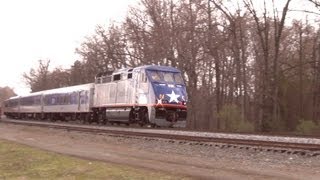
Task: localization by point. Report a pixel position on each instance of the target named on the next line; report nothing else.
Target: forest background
(246, 68)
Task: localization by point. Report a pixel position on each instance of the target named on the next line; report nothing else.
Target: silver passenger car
(69, 102)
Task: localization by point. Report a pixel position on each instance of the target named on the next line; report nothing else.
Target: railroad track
(280, 144)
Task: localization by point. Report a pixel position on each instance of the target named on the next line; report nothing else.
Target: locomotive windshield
(168, 77)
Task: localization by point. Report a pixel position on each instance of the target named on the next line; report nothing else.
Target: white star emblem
(173, 97)
(159, 101)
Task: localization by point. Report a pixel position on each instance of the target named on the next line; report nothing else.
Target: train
(146, 95)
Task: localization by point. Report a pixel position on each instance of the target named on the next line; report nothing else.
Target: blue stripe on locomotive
(163, 88)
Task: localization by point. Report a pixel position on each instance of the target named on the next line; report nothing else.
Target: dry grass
(23, 162)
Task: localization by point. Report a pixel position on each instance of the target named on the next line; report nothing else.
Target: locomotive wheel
(88, 118)
(52, 117)
(73, 117)
(83, 119)
(143, 117)
(153, 125)
(101, 119)
(104, 121)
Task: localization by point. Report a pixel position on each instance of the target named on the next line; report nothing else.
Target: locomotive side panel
(101, 95)
(112, 94)
(121, 92)
(116, 93)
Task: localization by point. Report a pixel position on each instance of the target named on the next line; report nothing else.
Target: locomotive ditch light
(182, 102)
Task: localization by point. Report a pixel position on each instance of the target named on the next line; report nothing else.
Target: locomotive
(146, 95)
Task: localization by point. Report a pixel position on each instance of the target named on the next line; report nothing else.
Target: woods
(246, 67)
(6, 93)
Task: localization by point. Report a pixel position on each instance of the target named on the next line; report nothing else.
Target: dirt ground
(111, 149)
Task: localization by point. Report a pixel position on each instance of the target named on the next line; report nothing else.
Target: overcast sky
(31, 30)
(48, 29)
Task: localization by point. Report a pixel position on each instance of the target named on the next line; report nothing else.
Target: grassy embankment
(23, 162)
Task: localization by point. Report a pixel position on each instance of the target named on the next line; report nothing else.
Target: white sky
(51, 29)
(48, 29)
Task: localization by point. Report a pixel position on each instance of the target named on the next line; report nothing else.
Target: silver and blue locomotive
(146, 95)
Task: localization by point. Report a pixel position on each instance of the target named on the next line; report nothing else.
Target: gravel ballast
(192, 159)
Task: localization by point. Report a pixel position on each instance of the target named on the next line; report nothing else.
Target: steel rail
(174, 137)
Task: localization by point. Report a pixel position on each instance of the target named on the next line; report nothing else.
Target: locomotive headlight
(161, 97)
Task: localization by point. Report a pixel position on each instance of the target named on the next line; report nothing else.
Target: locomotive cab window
(116, 77)
(163, 76)
(155, 75)
(168, 77)
(178, 79)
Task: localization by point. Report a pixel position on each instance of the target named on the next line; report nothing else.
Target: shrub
(231, 120)
(307, 127)
(274, 126)
(245, 126)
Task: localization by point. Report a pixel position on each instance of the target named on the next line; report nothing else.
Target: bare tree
(243, 60)
(37, 79)
(6, 93)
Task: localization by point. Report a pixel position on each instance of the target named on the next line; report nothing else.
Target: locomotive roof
(160, 68)
(148, 67)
